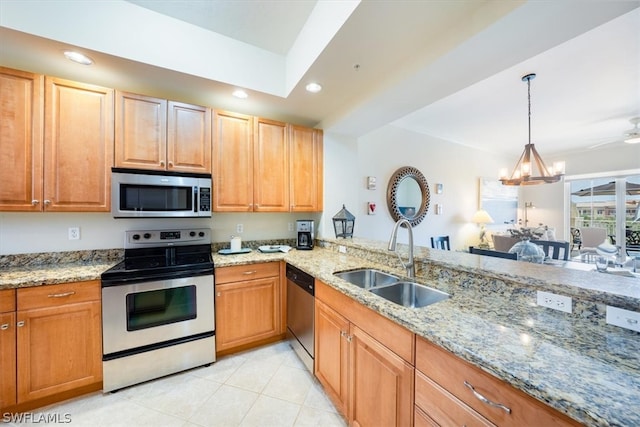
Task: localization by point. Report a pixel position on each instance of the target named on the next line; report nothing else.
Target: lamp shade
(482, 217)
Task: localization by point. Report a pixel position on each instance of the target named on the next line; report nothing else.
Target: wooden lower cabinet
(368, 382)
(8, 348)
(444, 394)
(57, 342)
(248, 306)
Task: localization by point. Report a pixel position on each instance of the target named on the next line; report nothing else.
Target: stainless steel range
(158, 313)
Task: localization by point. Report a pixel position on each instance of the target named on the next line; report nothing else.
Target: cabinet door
(7, 359)
(141, 131)
(306, 169)
(20, 140)
(246, 312)
(78, 147)
(332, 353)
(380, 382)
(232, 162)
(189, 138)
(271, 166)
(60, 349)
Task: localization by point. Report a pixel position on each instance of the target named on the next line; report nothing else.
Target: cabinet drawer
(451, 373)
(241, 273)
(7, 300)
(55, 295)
(444, 408)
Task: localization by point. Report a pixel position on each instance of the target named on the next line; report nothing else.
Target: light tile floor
(267, 386)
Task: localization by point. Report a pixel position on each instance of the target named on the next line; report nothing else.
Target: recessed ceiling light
(240, 94)
(78, 57)
(313, 87)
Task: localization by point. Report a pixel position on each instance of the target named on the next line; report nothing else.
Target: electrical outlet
(556, 302)
(290, 226)
(342, 249)
(74, 233)
(624, 318)
(239, 228)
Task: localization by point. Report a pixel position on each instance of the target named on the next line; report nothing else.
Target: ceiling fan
(631, 136)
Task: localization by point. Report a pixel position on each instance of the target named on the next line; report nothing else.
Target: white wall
(47, 232)
(458, 168)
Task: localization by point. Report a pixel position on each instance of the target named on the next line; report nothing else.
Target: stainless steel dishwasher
(300, 311)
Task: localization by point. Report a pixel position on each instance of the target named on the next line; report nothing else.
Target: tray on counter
(230, 252)
(274, 248)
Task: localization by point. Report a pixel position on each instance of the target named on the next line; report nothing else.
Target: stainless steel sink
(367, 277)
(410, 294)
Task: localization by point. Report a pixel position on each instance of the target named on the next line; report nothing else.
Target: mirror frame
(392, 194)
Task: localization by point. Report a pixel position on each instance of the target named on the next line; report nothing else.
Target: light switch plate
(624, 318)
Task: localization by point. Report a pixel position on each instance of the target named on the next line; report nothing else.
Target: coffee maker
(304, 229)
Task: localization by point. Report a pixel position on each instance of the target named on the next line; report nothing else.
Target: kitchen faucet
(410, 266)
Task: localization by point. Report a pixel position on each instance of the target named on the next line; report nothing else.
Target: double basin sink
(391, 288)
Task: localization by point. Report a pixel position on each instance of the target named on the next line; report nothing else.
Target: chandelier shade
(530, 168)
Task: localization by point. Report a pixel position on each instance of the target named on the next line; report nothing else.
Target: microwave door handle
(196, 199)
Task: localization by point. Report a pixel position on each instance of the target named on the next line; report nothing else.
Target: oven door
(147, 313)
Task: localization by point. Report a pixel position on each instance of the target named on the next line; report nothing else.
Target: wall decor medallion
(408, 195)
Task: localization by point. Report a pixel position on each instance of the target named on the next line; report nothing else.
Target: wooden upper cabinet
(271, 166)
(141, 131)
(21, 120)
(306, 169)
(189, 138)
(153, 133)
(78, 147)
(232, 162)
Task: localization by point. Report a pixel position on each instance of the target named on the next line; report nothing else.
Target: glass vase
(527, 251)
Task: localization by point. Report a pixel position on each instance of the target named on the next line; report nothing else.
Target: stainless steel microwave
(138, 193)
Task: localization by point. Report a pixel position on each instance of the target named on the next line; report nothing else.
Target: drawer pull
(485, 400)
(249, 272)
(62, 295)
(20, 324)
(4, 327)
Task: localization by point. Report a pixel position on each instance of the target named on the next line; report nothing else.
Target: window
(611, 202)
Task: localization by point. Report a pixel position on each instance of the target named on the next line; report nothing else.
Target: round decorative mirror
(408, 195)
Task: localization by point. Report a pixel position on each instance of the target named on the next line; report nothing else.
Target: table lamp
(482, 217)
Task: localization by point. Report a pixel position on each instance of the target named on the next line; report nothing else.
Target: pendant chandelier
(530, 169)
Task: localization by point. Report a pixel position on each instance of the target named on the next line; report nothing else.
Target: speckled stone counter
(576, 363)
(26, 270)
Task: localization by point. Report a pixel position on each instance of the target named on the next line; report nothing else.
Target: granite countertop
(576, 363)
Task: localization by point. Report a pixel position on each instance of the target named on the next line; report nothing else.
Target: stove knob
(192, 233)
(136, 237)
(147, 235)
(201, 234)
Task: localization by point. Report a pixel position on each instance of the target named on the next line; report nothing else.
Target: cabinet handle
(161, 162)
(218, 294)
(35, 202)
(4, 327)
(249, 272)
(47, 202)
(485, 400)
(20, 323)
(62, 295)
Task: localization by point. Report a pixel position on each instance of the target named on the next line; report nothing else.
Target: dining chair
(489, 252)
(591, 238)
(440, 242)
(555, 249)
(503, 243)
